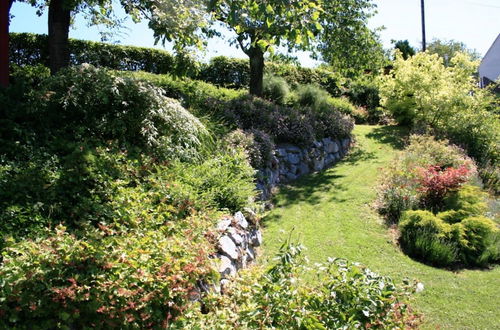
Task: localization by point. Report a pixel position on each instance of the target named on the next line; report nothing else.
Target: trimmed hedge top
(32, 49)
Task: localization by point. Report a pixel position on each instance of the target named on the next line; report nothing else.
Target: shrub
(141, 279)
(223, 181)
(226, 72)
(88, 103)
(468, 201)
(435, 182)
(422, 92)
(346, 295)
(32, 49)
(312, 96)
(479, 241)
(282, 123)
(276, 89)
(257, 144)
(402, 187)
(426, 237)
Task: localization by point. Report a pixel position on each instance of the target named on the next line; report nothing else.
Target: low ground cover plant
(346, 295)
(440, 215)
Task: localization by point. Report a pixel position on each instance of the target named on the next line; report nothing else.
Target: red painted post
(4, 42)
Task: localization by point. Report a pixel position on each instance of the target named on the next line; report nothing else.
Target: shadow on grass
(311, 189)
(395, 136)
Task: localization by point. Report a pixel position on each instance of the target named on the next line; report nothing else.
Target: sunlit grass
(332, 214)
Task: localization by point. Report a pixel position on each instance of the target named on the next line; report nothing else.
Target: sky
(474, 22)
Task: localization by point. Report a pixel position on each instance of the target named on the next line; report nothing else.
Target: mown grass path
(332, 215)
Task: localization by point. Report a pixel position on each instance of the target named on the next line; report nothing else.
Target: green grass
(332, 214)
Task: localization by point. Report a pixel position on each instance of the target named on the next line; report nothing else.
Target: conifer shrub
(426, 237)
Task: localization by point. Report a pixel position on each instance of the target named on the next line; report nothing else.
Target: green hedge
(235, 73)
(32, 49)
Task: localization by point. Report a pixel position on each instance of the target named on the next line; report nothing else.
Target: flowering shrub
(140, 279)
(423, 92)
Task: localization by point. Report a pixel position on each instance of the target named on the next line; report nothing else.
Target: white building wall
(490, 65)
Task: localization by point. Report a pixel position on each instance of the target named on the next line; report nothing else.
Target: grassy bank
(332, 215)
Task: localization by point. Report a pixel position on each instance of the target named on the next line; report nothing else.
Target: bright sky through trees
(474, 22)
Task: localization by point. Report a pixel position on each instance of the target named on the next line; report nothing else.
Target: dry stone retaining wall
(291, 162)
(240, 235)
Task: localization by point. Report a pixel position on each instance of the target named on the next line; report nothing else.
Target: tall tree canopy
(447, 49)
(345, 42)
(261, 25)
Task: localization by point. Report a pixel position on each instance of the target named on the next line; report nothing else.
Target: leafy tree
(260, 25)
(346, 42)
(447, 49)
(4, 41)
(60, 14)
(405, 48)
(185, 22)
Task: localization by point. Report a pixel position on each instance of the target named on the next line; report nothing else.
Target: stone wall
(291, 162)
(238, 241)
(240, 235)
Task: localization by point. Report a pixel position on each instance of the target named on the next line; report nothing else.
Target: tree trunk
(256, 70)
(4, 41)
(59, 20)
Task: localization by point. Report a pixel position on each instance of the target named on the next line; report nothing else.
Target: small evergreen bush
(425, 237)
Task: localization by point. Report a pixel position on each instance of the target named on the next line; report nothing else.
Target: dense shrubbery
(143, 278)
(257, 144)
(346, 295)
(422, 92)
(403, 185)
(441, 220)
(443, 241)
(295, 125)
(97, 230)
(32, 49)
(276, 89)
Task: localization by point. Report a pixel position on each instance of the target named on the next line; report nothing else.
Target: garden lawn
(332, 215)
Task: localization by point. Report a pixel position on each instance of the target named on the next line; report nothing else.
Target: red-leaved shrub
(435, 182)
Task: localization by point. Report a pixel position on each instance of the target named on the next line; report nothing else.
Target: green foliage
(423, 92)
(404, 47)
(297, 125)
(265, 25)
(466, 202)
(479, 241)
(223, 181)
(400, 187)
(235, 73)
(226, 72)
(346, 295)
(87, 103)
(200, 97)
(345, 41)
(276, 89)
(447, 49)
(141, 278)
(425, 236)
(460, 235)
(257, 144)
(364, 92)
(32, 49)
